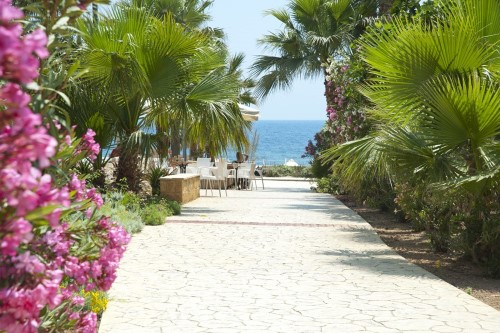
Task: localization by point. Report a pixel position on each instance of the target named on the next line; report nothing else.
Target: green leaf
(40, 212)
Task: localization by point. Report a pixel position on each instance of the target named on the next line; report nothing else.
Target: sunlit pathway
(279, 260)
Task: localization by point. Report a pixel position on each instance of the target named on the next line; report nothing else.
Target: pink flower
(78, 300)
(57, 240)
(88, 323)
(95, 197)
(29, 263)
(95, 270)
(13, 95)
(37, 42)
(35, 258)
(89, 145)
(16, 232)
(8, 12)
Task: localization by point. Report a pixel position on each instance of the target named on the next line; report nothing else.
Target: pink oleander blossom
(19, 56)
(38, 251)
(89, 145)
(87, 324)
(9, 12)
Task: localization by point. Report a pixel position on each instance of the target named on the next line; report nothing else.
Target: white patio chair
(203, 162)
(221, 174)
(192, 169)
(206, 175)
(248, 173)
(231, 174)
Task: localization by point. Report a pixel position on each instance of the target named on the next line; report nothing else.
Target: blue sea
(282, 140)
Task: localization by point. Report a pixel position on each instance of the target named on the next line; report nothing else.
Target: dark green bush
(319, 170)
(174, 206)
(132, 211)
(328, 184)
(300, 171)
(426, 213)
(155, 214)
(127, 216)
(455, 220)
(132, 201)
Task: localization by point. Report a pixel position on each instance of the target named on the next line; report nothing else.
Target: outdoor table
(234, 166)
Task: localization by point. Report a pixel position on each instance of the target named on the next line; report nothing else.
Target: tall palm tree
(193, 15)
(313, 31)
(437, 101)
(154, 70)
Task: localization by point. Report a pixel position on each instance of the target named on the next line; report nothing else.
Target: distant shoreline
(282, 140)
(291, 119)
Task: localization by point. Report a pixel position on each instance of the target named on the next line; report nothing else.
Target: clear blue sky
(244, 22)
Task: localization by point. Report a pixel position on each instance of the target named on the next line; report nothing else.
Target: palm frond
(475, 184)
(462, 110)
(313, 31)
(281, 71)
(340, 8)
(409, 154)
(281, 15)
(359, 159)
(236, 62)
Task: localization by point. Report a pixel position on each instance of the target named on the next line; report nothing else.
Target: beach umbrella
(291, 162)
(249, 113)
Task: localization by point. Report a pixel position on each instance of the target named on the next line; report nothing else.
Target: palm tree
(202, 140)
(313, 32)
(437, 108)
(192, 14)
(154, 70)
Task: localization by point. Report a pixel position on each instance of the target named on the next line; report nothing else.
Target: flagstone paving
(282, 259)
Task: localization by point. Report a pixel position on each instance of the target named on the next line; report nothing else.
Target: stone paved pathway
(279, 260)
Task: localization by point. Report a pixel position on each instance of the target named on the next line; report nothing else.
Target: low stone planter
(181, 188)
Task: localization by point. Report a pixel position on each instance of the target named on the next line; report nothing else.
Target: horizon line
(291, 119)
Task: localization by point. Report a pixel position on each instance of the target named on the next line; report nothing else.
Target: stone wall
(182, 188)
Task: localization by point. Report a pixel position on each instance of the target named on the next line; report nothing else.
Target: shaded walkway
(279, 260)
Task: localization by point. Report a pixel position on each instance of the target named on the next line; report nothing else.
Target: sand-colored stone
(182, 188)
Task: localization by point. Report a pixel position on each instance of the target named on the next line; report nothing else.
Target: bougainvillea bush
(53, 245)
(345, 111)
(346, 119)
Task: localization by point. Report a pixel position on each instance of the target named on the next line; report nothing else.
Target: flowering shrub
(96, 301)
(51, 244)
(346, 118)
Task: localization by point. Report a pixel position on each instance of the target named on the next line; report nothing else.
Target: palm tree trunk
(129, 169)
(175, 139)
